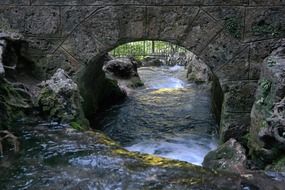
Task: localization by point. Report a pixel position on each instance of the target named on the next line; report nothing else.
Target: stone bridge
(231, 36)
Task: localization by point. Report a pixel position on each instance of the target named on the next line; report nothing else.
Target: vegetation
(142, 49)
(233, 26)
(264, 28)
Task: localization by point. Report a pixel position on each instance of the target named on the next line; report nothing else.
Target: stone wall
(230, 36)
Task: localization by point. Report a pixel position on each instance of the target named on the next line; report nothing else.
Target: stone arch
(192, 27)
(187, 26)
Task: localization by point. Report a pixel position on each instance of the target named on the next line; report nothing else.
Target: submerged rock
(64, 158)
(230, 156)
(59, 99)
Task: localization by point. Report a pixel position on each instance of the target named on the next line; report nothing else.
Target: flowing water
(169, 117)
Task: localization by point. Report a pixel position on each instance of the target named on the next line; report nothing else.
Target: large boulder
(230, 156)
(267, 131)
(123, 70)
(198, 71)
(98, 90)
(59, 100)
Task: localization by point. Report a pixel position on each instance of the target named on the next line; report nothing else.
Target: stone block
(200, 33)
(72, 16)
(87, 2)
(266, 2)
(169, 23)
(42, 21)
(14, 2)
(221, 50)
(234, 125)
(239, 96)
(12, 19)
(258, 52)
(232, 18)
(264, 23)
(237, 69)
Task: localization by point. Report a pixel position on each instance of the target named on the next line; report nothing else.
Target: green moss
(263, 28)
(233, 26)
(12, 105)
(279, 165)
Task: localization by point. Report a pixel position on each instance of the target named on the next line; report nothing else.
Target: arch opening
(169, 100)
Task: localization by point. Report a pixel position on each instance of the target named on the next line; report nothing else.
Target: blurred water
(170, 117)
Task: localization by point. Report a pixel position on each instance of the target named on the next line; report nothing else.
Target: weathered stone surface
(267, 116)
(97, 90)
(258, 52)
(198, 71)
(221, 51)
(60, 59)
(123, 70)
(234, 125)
(237, 69)
(12, 19)
(86, 2)
(239, 96)
(41, 45)
(263, 23)
(60, 100)
(169, 23)
(267, 2)
(200, 32)
(42, 21)
(15, 2)
(230, 156)
(72, 16)
(121, 67)
(232, 18)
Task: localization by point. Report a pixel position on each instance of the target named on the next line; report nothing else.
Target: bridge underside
(232, 37)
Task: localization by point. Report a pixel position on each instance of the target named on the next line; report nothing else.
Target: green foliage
(76, 126)
(265, 89)
(233, 26)
(142, 49)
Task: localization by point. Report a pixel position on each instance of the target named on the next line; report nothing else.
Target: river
(168, 117)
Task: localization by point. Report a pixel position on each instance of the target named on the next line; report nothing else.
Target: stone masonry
(231, 36)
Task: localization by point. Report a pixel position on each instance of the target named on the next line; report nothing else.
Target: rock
(97, 90)
(124, 71)
(152, 62)
(179, 58)
(59, 99)
(124, 68)
(230, 156)
(198, 71)
(267, 130)
(15, 103)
